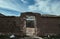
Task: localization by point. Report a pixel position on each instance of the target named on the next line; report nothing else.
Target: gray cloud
(46, 6)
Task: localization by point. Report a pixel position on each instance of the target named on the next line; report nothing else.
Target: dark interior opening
(30, 23)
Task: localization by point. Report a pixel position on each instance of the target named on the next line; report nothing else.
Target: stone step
(33, 38)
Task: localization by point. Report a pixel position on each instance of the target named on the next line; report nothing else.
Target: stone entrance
(30, 26)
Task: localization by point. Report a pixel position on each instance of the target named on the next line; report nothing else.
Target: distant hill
(1, 14)
(48, 15)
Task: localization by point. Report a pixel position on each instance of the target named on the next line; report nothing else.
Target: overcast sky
(15, 7)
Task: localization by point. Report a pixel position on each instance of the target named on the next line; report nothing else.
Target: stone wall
(49, 25)
(10, 24)
(45, 25)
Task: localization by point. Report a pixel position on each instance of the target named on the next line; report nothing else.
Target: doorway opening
(30, 25)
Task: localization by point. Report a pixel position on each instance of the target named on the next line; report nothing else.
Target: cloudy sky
(15, 7)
